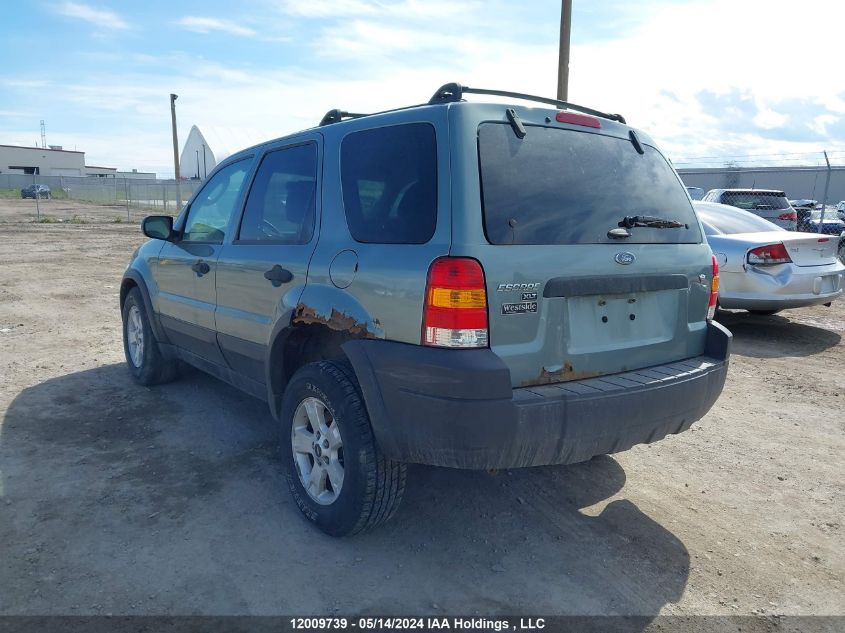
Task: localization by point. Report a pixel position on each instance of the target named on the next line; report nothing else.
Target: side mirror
(158, 227)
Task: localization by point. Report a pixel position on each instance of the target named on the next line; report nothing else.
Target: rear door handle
(278, 275)
(201, 268)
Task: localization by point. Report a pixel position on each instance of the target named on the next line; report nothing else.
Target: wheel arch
(316, 329)
(133, 279)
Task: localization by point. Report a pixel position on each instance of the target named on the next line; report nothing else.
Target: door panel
(187, 296)
(249, 304)
(186, 269)
(261, 274)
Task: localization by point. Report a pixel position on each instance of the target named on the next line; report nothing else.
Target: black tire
(154, 368)
(764, 312)
(373, 485)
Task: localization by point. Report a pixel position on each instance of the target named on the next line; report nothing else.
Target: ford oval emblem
(624, 258)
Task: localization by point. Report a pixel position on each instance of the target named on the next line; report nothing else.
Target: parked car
(812, 222)
(765, 269)
(840, 210)
(769, 204)
(842, 247)
(36, 190)
(393, 307)
(695, 193)
(803, 209)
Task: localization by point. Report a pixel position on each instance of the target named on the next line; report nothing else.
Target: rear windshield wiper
(649, 221)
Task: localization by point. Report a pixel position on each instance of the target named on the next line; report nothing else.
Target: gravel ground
(120, 499)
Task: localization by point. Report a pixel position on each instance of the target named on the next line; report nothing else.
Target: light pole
(563, 53)
(173, 98)
(204, 165)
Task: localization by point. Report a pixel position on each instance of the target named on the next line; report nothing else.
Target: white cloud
(768, 119)
(200, 24)
(98, 17)
(820, 123)
(654, 71)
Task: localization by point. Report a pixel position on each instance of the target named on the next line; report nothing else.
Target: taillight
(790, 216)
(714, 290)
(455, 312)
(769, 254)
(573, 118)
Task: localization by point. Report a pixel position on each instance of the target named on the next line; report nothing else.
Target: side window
(281, 203)
(389, 181)
(209, 214)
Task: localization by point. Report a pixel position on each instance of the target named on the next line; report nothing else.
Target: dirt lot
(119, 499)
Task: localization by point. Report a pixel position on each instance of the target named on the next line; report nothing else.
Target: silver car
(765, 269)
(769, 204)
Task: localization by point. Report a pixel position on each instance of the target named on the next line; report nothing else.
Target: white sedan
(765, 269)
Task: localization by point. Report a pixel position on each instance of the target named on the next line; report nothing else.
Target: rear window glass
(727, 221)
(560, 186)
(389, 181)
(755, 200)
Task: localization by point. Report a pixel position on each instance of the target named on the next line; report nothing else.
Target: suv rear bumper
(457, 408)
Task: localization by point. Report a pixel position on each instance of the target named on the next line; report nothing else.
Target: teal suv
(463, 284)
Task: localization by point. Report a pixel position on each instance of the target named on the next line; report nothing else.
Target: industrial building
(796, 182)
(56, 161)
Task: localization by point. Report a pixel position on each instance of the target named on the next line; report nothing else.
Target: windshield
(557, 186)
(752, 200)
(722, 220)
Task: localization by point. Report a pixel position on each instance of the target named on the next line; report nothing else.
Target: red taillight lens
(769, 254)
(455, 312)
(791, 216)
(574, 118)
(714, 290)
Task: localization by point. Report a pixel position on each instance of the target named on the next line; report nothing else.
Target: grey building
(796, 182)
(53, 161)
(56, 161)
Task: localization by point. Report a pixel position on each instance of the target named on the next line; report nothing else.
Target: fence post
(126, 196)
(826, 186)
(37, 198)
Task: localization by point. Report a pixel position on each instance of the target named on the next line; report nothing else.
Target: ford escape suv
(462, 284)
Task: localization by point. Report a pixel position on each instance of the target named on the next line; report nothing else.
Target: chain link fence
(123, 194)
(813, 183)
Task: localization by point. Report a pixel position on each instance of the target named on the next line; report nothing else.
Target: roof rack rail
(336, 116)
(449, 93)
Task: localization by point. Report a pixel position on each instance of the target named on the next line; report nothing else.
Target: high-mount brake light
(455, 311)
(573, 118)
(769, 255)
(714, 290)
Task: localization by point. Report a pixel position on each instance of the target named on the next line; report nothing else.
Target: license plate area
(602, 322)
(827, 284)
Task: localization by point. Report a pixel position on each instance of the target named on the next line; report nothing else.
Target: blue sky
(709, 80)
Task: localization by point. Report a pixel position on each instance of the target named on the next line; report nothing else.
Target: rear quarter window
(389, 182)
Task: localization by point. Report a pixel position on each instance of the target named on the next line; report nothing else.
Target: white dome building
(197, 159)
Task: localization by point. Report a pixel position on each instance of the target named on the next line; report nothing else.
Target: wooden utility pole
(563, 55)
(173, 98)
